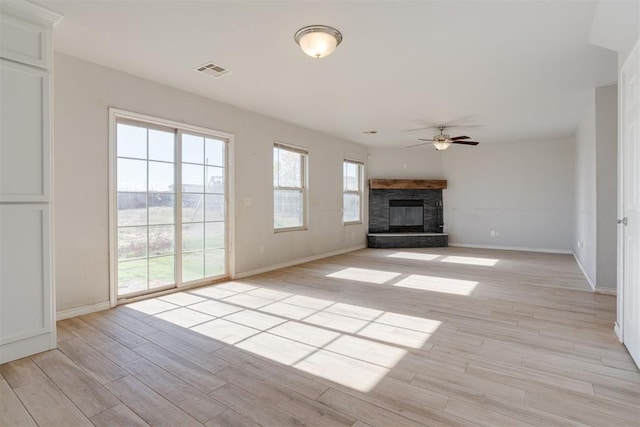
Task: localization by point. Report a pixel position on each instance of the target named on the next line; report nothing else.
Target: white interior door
(630, 80)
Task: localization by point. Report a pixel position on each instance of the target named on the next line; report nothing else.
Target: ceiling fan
(442, 141)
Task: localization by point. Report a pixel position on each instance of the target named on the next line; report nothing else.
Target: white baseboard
(618, 332)
(244, 274)
(80, 311)
(584, 272)
(511, 248)
(606, 291)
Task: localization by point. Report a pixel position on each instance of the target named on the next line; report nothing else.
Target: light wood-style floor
(442, 336)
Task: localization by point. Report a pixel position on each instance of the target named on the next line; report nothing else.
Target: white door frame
(619, 326)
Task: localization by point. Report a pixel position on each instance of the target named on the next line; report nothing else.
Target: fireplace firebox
(406, 216)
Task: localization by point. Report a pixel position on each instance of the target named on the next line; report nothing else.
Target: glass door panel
(145, 208)
(203, 207)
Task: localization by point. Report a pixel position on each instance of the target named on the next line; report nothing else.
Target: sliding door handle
(623, 221)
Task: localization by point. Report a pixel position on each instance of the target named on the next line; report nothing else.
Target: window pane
(214, 235)
(131, 141)
(161, 271)
(276, 166)
(351, 207)
(161, 145)
(214, 207)
(193, 178)
(161, 240)
(192, 149)
(214, 262)
(193, 237)
(161, 177)
(192, 266)
(215, 180)
(132, 175)
(214, 152)
(132, 242)
(132, 209)
(287, 208)
(289, 169)
(351, 178)
(192, 207)
(161, 208)
(132, 276)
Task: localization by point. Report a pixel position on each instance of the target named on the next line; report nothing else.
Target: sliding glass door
(170, 223)
(203, 207)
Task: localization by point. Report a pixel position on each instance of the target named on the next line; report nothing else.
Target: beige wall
(584, 244)
(410, 163)
(522, 191)
(606, 185)
(83, 94)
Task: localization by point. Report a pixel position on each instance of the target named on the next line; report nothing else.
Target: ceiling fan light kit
(318, 41)
(442, 141)
(442, 145)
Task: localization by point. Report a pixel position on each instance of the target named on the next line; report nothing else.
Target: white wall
(523, 191)
(606, 184)
(584, 242)
(83, 93)
(616, 26)
(407, 163)
(596, 187)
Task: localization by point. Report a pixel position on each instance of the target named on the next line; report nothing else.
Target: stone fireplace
(406, 213)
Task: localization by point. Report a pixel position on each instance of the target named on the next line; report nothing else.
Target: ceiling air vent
(213, 70)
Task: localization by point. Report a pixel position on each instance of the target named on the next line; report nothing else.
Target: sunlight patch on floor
(437, 284)
(366, 275)
(489, 262)
(414, 256)
(349, 372)
(184, 317)
(349, 344)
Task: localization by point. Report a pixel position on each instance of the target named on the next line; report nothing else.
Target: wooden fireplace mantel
(407, 184)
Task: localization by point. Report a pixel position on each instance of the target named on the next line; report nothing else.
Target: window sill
(283, 230)
(352, 223)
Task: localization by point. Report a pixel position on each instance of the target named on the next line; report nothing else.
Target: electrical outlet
(497, 233)
(493, 233)
(247, 201)
(261, 249)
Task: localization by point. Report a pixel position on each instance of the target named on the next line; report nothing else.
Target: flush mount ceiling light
(318, 41)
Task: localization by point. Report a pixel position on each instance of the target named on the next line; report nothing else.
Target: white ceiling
(519, 69)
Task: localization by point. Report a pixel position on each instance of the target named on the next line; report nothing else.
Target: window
(352, 191)
(289, 187)
(170, 206)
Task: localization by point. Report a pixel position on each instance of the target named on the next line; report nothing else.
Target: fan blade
(417, 145)
(466, 142)
(423, 139)
(456, 138)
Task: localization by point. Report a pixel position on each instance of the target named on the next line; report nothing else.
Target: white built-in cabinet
(27, 306)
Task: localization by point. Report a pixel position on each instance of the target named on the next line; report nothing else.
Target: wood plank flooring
(407, 337)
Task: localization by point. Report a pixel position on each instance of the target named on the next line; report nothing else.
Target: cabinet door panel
(24, 133)
(23, 42)
(25, 288)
